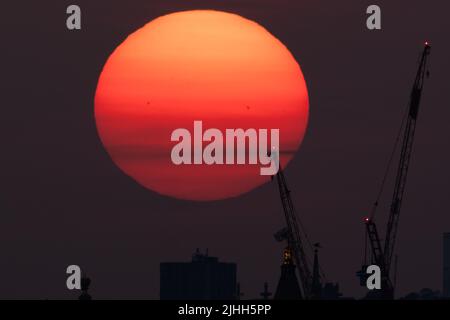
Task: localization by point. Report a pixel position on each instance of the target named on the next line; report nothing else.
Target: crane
(382, 256)
(292, 234)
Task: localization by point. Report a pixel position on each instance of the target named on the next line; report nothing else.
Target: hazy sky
(63, 201)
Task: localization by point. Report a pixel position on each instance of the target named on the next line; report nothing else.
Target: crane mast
(383, 256)
(292, 234)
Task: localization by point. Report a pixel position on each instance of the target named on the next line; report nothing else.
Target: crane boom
(383, 257)
(293, 236)
(405, 157)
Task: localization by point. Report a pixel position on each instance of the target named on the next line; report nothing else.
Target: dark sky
(63, 201)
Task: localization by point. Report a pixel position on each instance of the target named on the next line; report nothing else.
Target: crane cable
(388, 168)
(391, 158)
(383, 182)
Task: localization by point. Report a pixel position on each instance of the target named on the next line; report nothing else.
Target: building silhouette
(288, 287)
(204, 278)
(446, 261)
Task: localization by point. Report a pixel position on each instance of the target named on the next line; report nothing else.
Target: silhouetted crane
(383, 256)
(292, 234)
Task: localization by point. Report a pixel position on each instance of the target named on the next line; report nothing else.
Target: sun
(201, 65)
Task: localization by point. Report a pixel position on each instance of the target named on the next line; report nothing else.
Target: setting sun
(212, 66)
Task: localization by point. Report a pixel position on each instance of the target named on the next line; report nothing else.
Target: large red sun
(212, 66)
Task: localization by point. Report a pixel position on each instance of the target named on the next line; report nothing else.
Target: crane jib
(415, 101)
(383, 257)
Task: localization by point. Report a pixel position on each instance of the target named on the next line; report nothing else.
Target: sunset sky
(63, 200)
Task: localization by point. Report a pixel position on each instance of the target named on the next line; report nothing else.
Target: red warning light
(366, 219)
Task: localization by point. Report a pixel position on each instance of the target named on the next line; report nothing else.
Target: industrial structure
(295, 250)
(382, 256)
(308, 285)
